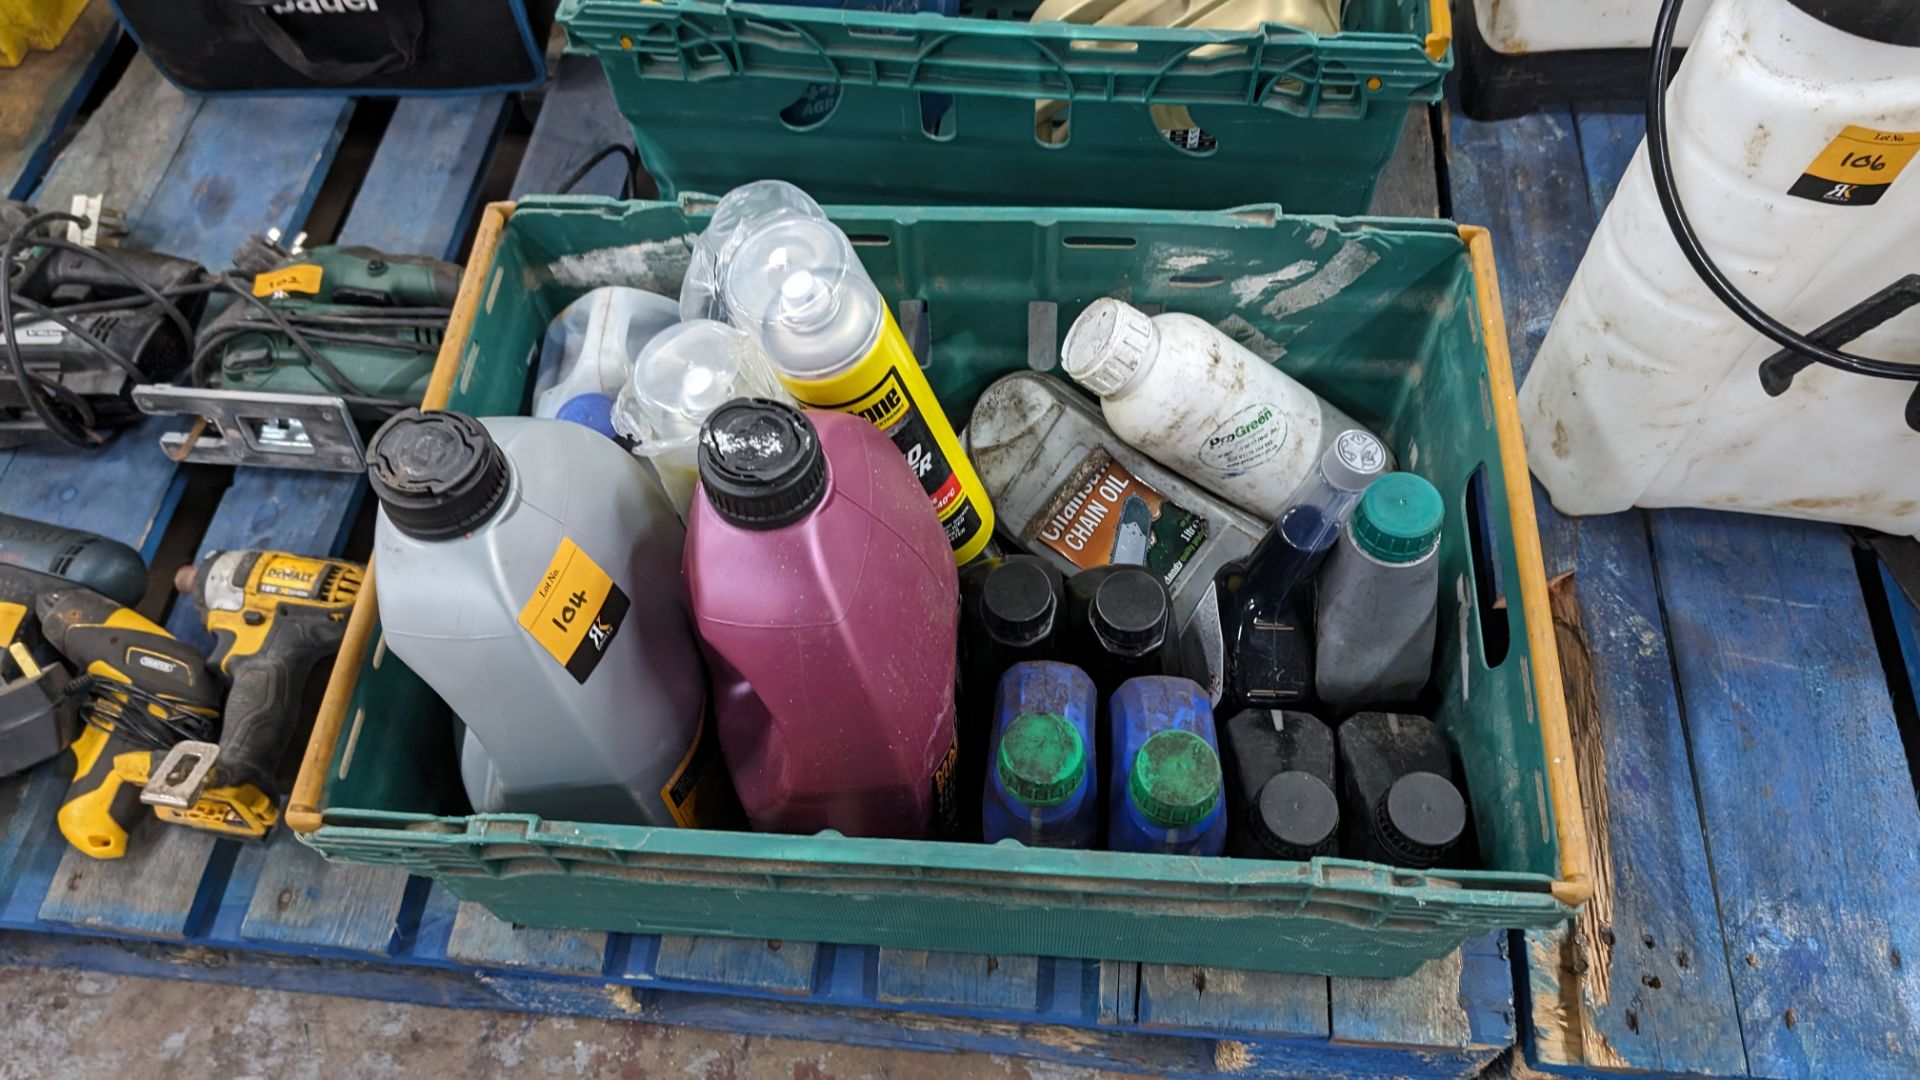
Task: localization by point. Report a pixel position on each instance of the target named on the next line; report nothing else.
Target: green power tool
(324, 345)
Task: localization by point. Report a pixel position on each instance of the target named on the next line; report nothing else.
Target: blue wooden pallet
(1747, 789)
(198, 177)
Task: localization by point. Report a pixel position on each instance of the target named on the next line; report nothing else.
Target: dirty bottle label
(1857, 167)
(888, 391)
(575, 611)
(697, 794)
(1249, 439)
(1104, 515)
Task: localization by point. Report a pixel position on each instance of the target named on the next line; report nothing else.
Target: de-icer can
(793, 281)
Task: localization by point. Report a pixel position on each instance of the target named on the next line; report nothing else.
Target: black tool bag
(343, 46)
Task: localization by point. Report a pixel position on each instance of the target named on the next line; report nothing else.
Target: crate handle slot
(1490, 595)
(1105, 243)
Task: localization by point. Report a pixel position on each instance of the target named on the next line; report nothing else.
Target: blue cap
(589, 411)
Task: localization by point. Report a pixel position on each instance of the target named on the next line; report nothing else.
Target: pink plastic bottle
(821, 579)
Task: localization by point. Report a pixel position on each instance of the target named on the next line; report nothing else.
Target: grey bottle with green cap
(1039, 786)
(1166, 791)
(1379, 598)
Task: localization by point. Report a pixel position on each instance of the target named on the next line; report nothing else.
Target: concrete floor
(71, 1024)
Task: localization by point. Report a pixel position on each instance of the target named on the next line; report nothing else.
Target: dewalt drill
(147, 690)
(273, 616)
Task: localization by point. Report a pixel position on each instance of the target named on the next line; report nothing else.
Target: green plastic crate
(1396, 321)
(927, 109)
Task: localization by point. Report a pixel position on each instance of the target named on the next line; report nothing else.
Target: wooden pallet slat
(782, 967)
(419, 192)
(1462, 1000)
(1808, 805)
(480, 938)
(1188, 997)
(1538, 183)
(43, 93)
(1001, 983)
(577, 118)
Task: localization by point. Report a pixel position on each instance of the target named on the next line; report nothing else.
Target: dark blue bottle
(1040, 786)
(1266, 601)
(1164, 778)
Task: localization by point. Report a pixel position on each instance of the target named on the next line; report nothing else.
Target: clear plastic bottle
(1200, 403)
(684, 373)
(795, 284)
(734, 218)
(589, 349)
(1264, 611)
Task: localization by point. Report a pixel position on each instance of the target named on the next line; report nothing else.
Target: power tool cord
(125, 710)
(38, 391)
(68, 416)
(1660, 157)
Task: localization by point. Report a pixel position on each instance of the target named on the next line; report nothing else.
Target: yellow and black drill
(273, 616)
(145, 691)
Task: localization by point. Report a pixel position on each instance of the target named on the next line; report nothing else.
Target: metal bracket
(182, 775)
(244, 427)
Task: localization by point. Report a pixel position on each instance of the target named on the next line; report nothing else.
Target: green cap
(1042, 758)
(1398, 519)
(1176, 778)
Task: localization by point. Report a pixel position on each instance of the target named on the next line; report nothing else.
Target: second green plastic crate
(871, 107)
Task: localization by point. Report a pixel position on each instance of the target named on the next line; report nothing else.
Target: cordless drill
(147, 688)
(273, 616)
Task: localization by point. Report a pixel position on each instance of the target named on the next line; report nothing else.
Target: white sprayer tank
(1646, 391)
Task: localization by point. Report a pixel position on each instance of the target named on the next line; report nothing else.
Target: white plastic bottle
(1794, 146)
(529, 572)
(589, 348)
(1200, 403)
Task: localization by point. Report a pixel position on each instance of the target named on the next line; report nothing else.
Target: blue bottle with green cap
(1040, 778)
(1379, 598)
(1165, 785)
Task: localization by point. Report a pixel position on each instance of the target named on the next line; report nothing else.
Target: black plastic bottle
(1119, 626)
(1401, 805)
(1011, 609)
(1266, 599)
(1280, 785)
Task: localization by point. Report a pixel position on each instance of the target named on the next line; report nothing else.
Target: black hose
(630, 185)
(1660, 157)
